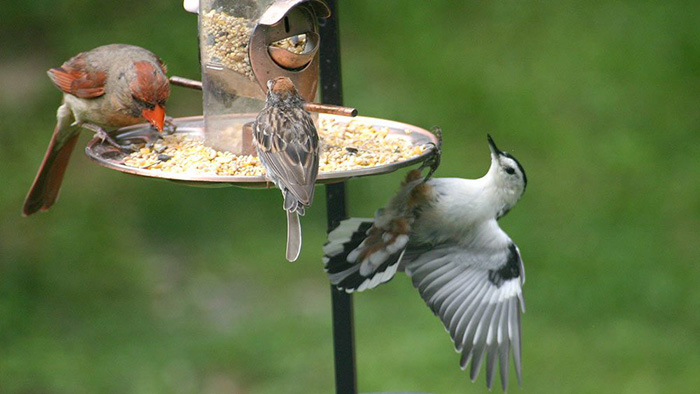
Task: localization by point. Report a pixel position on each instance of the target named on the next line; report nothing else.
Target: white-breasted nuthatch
(443, 232)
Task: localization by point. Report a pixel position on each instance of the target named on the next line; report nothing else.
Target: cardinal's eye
(510, 170)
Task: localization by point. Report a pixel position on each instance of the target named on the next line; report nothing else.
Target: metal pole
(343, 325)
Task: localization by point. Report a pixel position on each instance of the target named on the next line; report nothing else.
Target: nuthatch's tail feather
(354, 262)
(293, 236)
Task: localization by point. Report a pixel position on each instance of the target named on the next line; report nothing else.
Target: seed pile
(355, 145)
(344, 146)
(294, 44)
(187, 154)
(225, 40)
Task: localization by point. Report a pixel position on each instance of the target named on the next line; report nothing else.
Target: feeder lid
(191, 6)
(277, 12)
(280, 8)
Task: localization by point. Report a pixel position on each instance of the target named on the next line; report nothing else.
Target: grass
(136, 286)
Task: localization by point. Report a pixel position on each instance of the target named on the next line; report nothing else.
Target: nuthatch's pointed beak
(492, 145)
(155, 116)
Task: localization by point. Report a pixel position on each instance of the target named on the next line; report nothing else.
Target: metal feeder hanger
(317, 21)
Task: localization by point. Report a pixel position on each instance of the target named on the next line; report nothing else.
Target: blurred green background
(131, 285)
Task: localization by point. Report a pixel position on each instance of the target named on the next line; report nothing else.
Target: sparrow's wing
(477, 293)
(288, 147)
(74, 77)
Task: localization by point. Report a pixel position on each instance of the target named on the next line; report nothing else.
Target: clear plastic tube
(229, 85)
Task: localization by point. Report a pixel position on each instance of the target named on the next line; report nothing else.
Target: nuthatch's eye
(510, 170)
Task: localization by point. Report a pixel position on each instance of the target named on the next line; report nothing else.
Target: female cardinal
(108, 87)
(287, 144)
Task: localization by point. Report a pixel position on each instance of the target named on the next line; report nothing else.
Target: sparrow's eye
(510, 170)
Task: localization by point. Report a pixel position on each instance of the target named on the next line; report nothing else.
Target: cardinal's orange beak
(155, 116)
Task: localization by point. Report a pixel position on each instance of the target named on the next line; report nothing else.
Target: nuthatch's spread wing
(475, 291)
(360, 255)
(477, 294)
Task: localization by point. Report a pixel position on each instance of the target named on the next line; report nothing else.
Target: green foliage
(136, 286)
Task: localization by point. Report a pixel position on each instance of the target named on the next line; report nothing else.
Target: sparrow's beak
(492, 145)
(155, 116)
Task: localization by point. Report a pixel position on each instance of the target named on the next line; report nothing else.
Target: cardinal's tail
(44, 191)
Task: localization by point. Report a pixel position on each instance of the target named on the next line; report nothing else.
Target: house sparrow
(443, 232)
(107, 87)
(286, 142)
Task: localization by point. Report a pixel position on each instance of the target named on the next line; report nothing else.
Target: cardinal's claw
(170, 126)
(103, 135)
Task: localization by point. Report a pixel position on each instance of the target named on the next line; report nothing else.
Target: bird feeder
(243, 44)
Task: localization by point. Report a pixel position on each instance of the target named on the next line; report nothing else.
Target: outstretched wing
(288, 146)
(360, 256)
(363, 253)
(477, 293)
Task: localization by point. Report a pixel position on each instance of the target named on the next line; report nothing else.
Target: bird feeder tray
(106, 155)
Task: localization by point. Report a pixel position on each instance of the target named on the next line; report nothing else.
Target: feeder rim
(102, 154)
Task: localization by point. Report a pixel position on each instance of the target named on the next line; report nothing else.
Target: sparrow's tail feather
(293, 236)
(44, 191)
(354, 262)
(292, 204)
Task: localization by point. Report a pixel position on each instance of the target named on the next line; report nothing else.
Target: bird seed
(294, 44)
(343, 146)
(225, 40)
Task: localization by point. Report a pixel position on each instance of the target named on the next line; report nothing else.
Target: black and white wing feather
(360, 256)
(477, 293)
